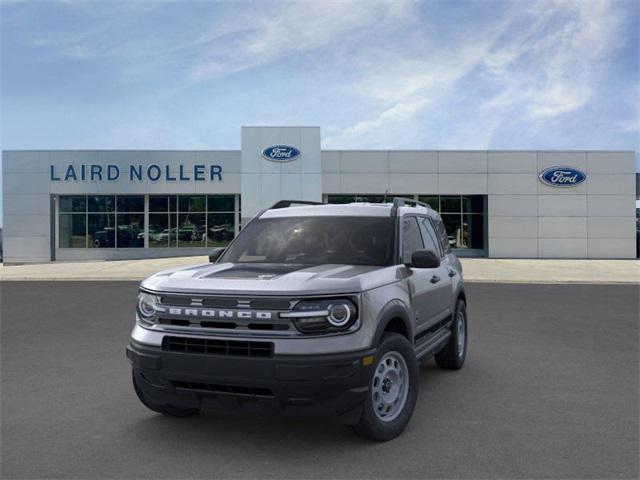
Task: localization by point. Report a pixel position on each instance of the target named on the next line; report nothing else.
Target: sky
(374, 74)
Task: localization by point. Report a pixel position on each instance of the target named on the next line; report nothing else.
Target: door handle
(435, 279)
(452, 273)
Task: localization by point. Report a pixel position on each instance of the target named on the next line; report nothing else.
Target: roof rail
(288, 203)
(401, 202)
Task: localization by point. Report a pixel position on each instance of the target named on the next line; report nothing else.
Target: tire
(452, 356)
(169, 410)
(395, 354)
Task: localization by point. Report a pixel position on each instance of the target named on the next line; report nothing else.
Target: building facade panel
(562, 248)
(513, 247)
(611, 227)
(610, 247)
(513, 227)
(562, 206)
(512, 162)
(611, 205)
(112, 204)
(611, 163)
(512, 183)
(452, 183)
(607, 184)
(513, 205)
(413, 183)
(407, 161)
(364, 162)
(573, 159)
(562, 227)
(19, 225)
(462, 162)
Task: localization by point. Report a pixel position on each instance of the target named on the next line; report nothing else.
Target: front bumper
(313, 385)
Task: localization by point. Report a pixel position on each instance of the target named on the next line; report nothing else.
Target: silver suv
(313, 309)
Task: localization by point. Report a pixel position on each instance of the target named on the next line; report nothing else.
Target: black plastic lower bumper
(319, 385)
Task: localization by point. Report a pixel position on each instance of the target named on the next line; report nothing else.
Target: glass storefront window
(101, 230)
(158, 203)
(133, 204)
(473, 204)
(453, 225)
(473, 228)
(72, 229)
(73, 203)
(432, 201)
(192, 203)
(130, 230)
(105, 204)
(341, 199)
(219, 229)
(220, 203)
(450, 204)
(118, 221)
(191, 230)
(159, 232)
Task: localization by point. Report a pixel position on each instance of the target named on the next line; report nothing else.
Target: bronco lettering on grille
(215, 313)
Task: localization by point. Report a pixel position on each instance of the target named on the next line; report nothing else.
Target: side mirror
(424, 259)
(215, 254)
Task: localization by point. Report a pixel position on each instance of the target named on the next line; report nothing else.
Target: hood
(272, 279)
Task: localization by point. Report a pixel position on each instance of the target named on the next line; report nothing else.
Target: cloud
(537, 60)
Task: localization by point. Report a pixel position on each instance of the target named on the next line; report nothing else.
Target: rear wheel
(452, 356)
(393, 390)
(170, 410)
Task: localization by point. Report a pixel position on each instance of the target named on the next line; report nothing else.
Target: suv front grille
(209, 346)
(230, 389)
(227, 302)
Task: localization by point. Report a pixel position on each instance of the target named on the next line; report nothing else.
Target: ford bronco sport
(312, 309)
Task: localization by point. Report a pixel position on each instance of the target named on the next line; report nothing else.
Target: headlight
(147, 304)
(323, 316)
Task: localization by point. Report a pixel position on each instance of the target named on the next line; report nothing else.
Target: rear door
(422, 284)
(440, 296)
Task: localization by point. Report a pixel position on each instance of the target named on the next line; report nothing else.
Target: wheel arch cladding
(462, 296)
(396, 319)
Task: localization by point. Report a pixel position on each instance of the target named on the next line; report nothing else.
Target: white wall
(27, 190)
(265, 182)
(525, 217)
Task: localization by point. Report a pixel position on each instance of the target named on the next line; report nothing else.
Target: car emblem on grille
(197, 302)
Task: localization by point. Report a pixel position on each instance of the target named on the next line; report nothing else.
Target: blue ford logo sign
(281, 153)
(562, 177)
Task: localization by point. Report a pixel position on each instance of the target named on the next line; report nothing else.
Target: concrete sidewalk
(475, 270)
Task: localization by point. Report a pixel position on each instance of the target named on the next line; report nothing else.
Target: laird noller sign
(135, 173)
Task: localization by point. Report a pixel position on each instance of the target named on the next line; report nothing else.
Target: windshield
(314, 241)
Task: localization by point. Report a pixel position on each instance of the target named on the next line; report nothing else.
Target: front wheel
(393, 390)
(452, 356)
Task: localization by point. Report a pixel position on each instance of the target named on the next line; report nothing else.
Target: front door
(429, 287)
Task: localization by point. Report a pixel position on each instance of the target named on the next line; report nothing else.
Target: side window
(411, 238)
(444, 238)
(431, 240)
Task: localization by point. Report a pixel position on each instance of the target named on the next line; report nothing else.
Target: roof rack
(288, 203)
(401, 202)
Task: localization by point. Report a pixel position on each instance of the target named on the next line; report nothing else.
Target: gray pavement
(550, 390)
(512, 270)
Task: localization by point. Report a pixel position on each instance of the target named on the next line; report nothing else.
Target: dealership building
(69, 205)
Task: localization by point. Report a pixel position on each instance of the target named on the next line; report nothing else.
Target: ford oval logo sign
(281, 153)
(562, 177)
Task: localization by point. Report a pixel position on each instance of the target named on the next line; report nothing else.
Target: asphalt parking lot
(550, 389)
